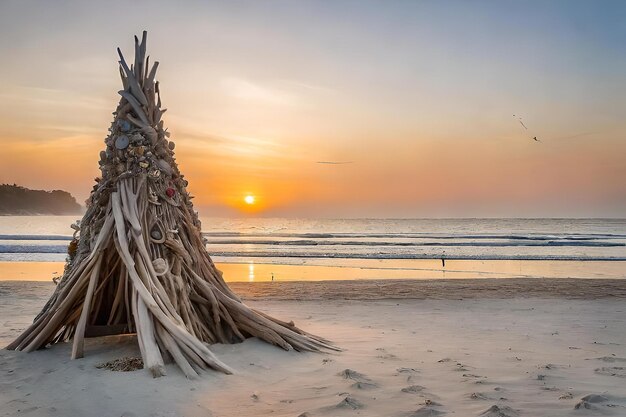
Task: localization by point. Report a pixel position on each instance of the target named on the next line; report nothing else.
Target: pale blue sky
(419, 93)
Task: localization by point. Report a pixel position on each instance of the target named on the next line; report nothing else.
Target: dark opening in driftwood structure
(138, 262)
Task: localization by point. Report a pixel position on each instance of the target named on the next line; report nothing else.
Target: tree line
(15, 199)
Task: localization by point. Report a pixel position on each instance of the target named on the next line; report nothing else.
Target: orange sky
(419, 97)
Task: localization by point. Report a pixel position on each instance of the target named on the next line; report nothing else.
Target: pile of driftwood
(138, 262)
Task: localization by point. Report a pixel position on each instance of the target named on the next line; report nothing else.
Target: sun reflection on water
(251, 271)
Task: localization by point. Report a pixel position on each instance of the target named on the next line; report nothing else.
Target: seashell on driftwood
(144, 164)
(160, 266)
(124, 125)
(150, 134)
(152, 197)
(121, 142)
(137, 139)
(165, 167)
(156, 234)
(171, 145)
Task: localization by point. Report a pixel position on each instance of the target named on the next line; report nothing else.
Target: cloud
(245, 90)
(309, 86)
(50, 97)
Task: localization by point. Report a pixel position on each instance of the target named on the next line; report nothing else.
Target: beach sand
(516, 347)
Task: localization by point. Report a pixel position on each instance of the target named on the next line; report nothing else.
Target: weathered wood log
(79, 333)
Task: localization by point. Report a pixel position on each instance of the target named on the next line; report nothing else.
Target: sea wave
(482, 257)
(33, 248)
(62, 248)
(35, 237)
(31, 253)
(408, 235)
(416, 244)
(414, 235)
(361, 245)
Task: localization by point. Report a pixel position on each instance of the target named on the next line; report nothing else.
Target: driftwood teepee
(138, 262)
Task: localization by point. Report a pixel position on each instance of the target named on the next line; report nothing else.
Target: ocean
(396, 248)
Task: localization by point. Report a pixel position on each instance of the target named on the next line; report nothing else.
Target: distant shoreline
(16, 200)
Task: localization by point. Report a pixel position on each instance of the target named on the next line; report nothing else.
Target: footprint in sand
(353, 375)
(593, 402)
(28, 410)
(406, 370)
(385, 355)
(617, 371)
(551, 366)
(473, 376)
(499, 411)
(409, 372)
(611, 359)
(361, 381)
(461, 367)
(350, 403)
(427, 411)
(364, 385)
(479, 396)
(413, 389)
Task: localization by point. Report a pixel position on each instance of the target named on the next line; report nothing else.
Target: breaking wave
(395, 245)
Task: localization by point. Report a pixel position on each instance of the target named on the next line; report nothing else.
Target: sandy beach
(313, 209)
(410, 348)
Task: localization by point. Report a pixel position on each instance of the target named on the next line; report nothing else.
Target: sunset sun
(249, 199)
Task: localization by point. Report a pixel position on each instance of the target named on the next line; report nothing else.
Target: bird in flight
(521, 122)
(519, 119)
